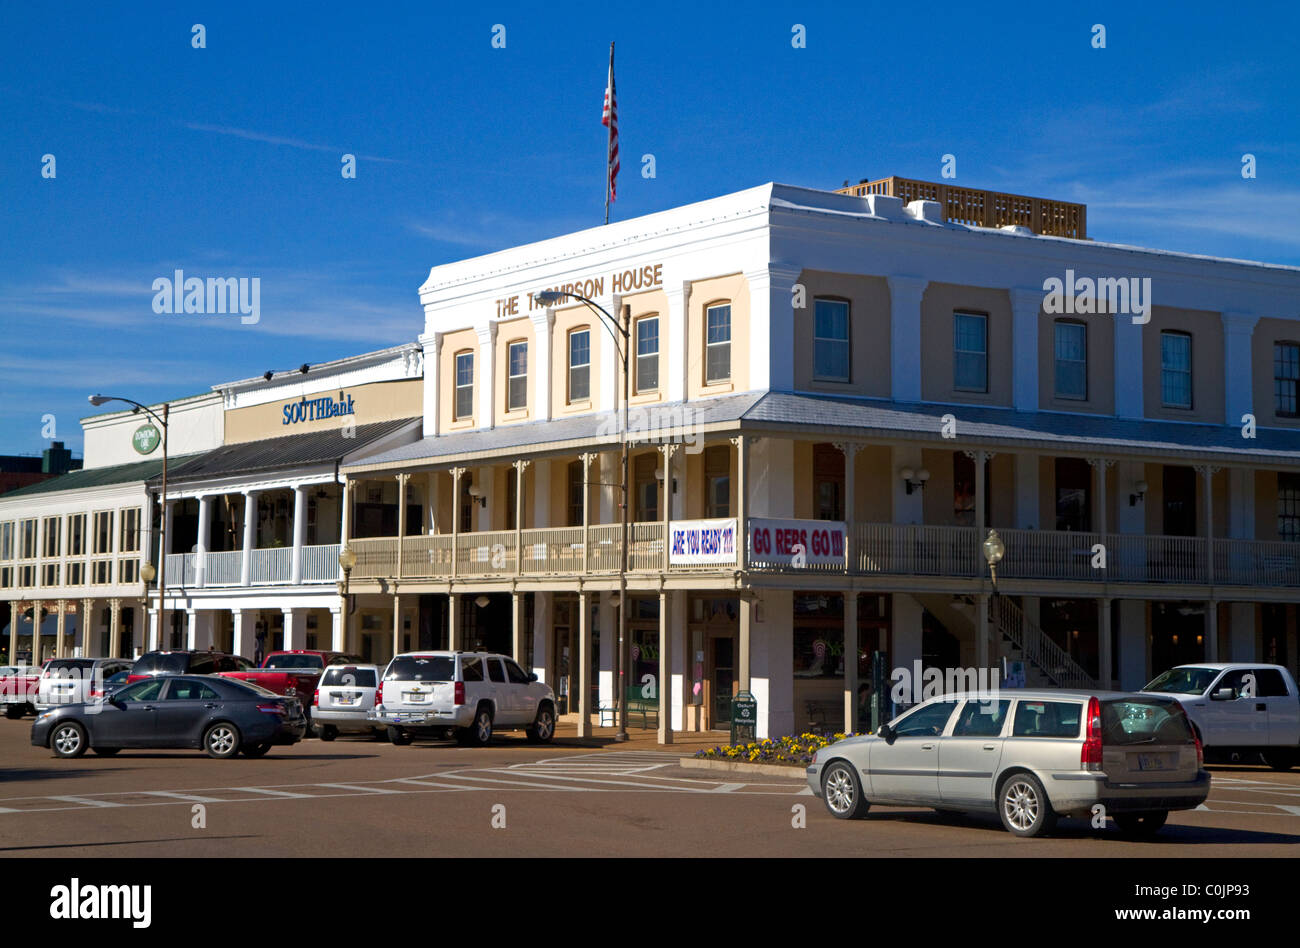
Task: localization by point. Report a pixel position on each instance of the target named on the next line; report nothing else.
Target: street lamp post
(612, 325)
(147, 570)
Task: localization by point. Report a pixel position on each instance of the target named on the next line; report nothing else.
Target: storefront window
(819, 635)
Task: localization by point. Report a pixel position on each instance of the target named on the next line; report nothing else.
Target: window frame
(640, 387)
(570, 398)
(847, 341)
(458, 386)
(1294, 381)
(709, 347)
(512, 376)
(957, 316)
(1082, 327)
(1189, 372)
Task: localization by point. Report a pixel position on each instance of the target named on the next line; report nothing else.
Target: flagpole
(609, 140)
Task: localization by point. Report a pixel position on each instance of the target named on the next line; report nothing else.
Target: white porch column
(608, 628)
(205, 531)
(114, 629)
(1237, 370)
(295, 627)
(583, 675)
(250, 538)
(243, 638)
(771, 326)
(1105, 659)
(154, 642)
(454, 637)
(337, 629)
(192, 629)
(905, 294)
(542, 637)
(397, 621)
(299, 533)
(850, 660)
(682, 659)
(543, 322)
(771, 663)
(1133, 644)
(89, 645)
(485, 410)
(60, 628)
(1025, 305)
(518, 629)
(432, 343)
(664, 683)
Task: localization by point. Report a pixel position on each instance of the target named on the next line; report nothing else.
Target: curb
(795, 772)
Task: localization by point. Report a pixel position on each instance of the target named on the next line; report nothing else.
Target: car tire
(1142, 825)
(379, 734)
(68, 739)
(14, 711)
(221, 740)
(106, 751)
(398, 737)
(543, 729)
(254, 750)
(1280, 760)
(842, 791)
(479, 733)
(328, 732)
(1024, 807)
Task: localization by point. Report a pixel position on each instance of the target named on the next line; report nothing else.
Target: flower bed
(793, 751)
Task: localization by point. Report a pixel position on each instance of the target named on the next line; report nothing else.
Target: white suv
(76, 680)
(467, 695)
(344, 698)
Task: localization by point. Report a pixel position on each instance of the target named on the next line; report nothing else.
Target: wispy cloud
(253, 136)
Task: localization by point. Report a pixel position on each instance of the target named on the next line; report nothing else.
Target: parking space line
(191, 797)
(274, 793)
(84, 801)
(359, 788)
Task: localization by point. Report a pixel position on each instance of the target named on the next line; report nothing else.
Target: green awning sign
(146, 439)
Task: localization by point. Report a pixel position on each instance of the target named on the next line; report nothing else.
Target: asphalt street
(356, 797)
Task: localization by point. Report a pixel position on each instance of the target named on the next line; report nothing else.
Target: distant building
(20, 471)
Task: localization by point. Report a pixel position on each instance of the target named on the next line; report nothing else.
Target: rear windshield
(1144, 721)
(295, 661)
(240, 685)
(62, 664)
(1183, 681)
(347, 675)
(422, 668)
(164, 663)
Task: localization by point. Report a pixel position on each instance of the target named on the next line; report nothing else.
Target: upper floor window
(1071, 360)
(517, 386)
(970, 352)
(129, 541)
(53, 533)
(1288, 506)
(1286, 378)
(77, 534)
(828, 482)
(831, 340)
(579, 365)
(648, 487)
(102, 535)
(464, 384)
(1176, 370)
(647, 354)
(717, 480)
(27, 539)
(576, 492)
(717, 343)
(7, 540)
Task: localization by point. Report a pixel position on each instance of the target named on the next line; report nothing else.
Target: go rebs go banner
(797, 542)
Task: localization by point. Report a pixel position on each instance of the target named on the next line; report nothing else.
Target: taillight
(460, 692)
(273, 709)
(315, 698)
(379, 694)
(1090, 755)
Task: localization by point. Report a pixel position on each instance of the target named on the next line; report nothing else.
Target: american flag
(609, 118)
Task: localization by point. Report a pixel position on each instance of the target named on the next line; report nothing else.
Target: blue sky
(225, 161)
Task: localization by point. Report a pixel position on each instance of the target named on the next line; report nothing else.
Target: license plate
(347, 699)
(1152, 762)
(415, 696)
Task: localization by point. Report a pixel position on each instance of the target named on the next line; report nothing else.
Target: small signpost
(744, 717)
(146, 439)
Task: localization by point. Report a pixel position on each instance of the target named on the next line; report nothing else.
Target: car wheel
(14, 711)
(842, 792)
(68, 739)
(397, 736)
(255, 750)
(328, 732)
(543, 728)
(1280, 760)
(480, 732)
(106, 751)
(379, 733)
(1024, 807)
(221, 740)
(1141, 825)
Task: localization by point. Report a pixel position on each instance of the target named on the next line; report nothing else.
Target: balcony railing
(272, 566)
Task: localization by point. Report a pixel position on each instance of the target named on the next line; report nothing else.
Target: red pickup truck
(293, 674)
(18, 684)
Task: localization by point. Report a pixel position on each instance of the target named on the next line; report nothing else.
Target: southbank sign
(317, 409)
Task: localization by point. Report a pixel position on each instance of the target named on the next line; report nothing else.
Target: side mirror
(1224, 694)
(887, 733)
(532, 676)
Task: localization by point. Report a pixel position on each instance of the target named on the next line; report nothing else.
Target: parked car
(1030, 758)
(344, 698)
(18, 684)
(466, 695)
(116, 681)
(186, 662)
(1242, 708)
(292, 672)
(75, 680)
(222, 717)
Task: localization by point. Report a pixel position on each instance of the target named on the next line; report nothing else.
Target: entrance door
(1180, 501)
(722, 679)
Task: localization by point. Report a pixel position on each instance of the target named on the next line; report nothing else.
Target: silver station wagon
(1031, 756)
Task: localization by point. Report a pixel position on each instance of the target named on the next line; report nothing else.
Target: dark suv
(207, 662)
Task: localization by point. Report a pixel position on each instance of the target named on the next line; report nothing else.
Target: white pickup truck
(1244, 708)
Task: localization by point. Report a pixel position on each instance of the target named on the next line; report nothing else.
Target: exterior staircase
(1047, 665)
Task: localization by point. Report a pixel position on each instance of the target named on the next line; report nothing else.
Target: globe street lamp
(347, 560)
(146, 571)
(994, 550)
(612, 326)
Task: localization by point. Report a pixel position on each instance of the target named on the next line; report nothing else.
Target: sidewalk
(684, 744)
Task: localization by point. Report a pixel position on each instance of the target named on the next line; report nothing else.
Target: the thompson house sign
(317, 409)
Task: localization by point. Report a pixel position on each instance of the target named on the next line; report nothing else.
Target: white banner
(796, 542)
(695, 542)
